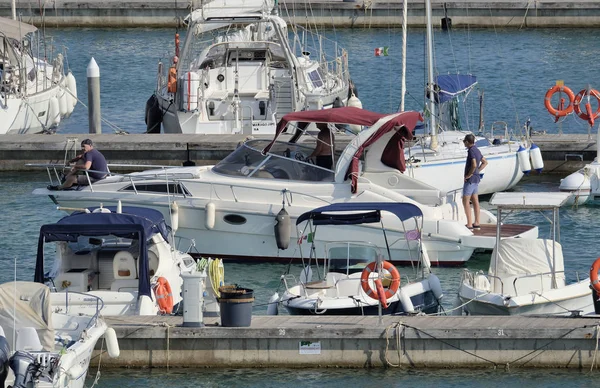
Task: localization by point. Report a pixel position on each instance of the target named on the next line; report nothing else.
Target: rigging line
(396, 326)
(542, 347)
(449, 344)
(510, 91)
(525, 16)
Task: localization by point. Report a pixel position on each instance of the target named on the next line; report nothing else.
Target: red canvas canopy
(393, 156)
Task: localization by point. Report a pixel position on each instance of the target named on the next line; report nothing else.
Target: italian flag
(381, 51)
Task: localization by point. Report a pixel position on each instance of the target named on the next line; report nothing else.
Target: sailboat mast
(432, 119)
(404, 27)
(13, 7)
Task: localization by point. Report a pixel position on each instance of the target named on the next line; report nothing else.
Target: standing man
(475, 163)
(92, 160)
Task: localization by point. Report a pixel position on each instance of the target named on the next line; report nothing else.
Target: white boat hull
(565, 301)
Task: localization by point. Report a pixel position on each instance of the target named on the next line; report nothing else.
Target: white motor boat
(34, 94)
(349, 277)
(40, 347)
(122, 256)
(239, 72)
(238, 199)
(526, 276)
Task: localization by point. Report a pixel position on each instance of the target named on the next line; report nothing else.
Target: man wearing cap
(91, 160)
(475, 163)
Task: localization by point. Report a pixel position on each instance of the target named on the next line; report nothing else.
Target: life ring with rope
(561, 111)
(164, 295)
(594, 282)
(380, 292)
(588, 116)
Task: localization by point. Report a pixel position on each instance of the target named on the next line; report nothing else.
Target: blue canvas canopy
(452, 85)
(133, 222)
(371, 212)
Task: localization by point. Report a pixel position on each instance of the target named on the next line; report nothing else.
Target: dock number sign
(308, 347)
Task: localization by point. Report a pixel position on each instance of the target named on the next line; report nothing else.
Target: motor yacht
(238, 199)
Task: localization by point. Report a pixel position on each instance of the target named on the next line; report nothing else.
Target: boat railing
(548, 276)
(87, 298)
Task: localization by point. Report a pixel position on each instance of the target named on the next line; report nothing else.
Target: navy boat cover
(370, 212)
(133, 222)
(452, 85)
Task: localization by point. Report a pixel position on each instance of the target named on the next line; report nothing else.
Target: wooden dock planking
(508, 230)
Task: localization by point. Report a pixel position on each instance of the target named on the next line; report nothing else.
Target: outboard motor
(24, 367)
(4, 359)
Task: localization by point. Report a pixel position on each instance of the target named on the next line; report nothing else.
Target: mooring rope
(595, 350)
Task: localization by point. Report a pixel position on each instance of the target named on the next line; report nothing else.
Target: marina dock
(562, 153)
(359, 342)
(322, 13)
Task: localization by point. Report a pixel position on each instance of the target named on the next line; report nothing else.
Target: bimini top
(135, 223)
(452, 85)
(15, 29)
(370, 212)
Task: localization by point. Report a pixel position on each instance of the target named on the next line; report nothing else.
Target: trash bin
(235, 304)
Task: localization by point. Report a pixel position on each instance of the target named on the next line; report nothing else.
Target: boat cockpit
(284, 160)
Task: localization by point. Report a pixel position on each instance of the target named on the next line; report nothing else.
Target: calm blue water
(514, 67)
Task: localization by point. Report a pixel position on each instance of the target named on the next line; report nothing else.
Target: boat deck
(509, 230)
(357, 341)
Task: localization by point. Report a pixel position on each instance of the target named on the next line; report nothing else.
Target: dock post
(93, 81)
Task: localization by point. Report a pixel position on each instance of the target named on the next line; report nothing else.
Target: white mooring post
(93, 81)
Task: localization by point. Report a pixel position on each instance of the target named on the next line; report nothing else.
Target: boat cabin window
(160, 188)
(287, 161)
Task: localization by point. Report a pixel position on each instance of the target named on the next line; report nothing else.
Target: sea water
(514, 67)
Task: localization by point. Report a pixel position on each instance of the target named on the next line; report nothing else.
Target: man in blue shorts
(475, 163)
(91, 159)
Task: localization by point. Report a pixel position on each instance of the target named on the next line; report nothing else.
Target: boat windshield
(287, 161)
(350, 257)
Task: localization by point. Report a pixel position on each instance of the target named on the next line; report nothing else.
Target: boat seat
(124, 266)
(28, 340)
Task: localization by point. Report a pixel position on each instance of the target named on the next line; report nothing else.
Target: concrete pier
(322, 13)
(562, 153)
(355, 341)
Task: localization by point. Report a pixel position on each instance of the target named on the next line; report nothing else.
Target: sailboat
(238, 72)
(35, 93)
(438, 159)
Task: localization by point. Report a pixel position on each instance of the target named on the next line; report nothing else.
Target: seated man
(92, 160)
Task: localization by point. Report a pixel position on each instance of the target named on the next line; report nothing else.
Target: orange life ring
(595, 283)
(561, 111)
(588, 115)
(391, 289)
(164, 296)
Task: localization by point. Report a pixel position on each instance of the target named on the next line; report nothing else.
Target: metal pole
(432, 119)
(404, 28)
(93, 80)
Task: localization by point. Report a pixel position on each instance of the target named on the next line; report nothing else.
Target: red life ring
(164, 296)
(561, 111)
(373, 293)
(588, 115)
(595, 283)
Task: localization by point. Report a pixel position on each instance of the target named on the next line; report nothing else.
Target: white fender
(536, 158)
(53, 112)
(436, 286)
(112, 343)
(119, 207)
(355, 102)
(272, 308)
(407, 305)
(174, 217)
(425, 256)
(72, 85)
(63, 97)
(210, 216)
(523, 157)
